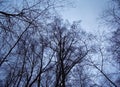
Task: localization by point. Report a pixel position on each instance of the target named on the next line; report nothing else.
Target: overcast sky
(88, 11)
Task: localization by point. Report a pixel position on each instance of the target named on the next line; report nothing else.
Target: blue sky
(88, 11)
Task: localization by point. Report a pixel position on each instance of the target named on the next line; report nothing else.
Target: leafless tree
(23, 43)
(112, 18)
(69, 47)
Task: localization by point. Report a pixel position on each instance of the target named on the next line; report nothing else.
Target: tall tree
(69, 47)
(112, 18)
(23, 43)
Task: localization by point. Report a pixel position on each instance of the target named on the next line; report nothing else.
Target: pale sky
(88, 11)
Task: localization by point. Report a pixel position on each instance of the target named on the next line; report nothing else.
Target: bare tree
(22, 44)
(69, 48)
(112, 18)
